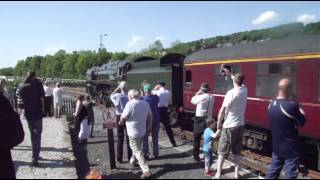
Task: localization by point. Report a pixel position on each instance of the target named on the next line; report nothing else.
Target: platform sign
(109, 118)
(109, 122)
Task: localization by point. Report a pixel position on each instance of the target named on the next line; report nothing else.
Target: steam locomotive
(263, 63)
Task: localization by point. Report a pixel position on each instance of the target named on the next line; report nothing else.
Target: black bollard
(112, 155)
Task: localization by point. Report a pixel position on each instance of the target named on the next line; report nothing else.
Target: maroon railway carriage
(264, 64)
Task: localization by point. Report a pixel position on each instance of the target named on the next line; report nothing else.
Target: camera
(225, 69)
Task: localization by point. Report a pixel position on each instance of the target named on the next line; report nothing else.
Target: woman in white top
(58, 100)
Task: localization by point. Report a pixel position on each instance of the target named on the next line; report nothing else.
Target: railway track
(251, 160)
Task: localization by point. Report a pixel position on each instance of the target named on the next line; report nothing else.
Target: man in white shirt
(164, 100)
(119, 98)
(137, 116)
(58, 100)
(48, 99)
(233, 111)
(204, 101)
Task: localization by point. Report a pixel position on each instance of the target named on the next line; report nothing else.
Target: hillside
(282, 31)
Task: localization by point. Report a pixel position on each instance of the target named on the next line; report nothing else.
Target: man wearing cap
(165, 97)
(204, 101)
(58, 100)
(153, 101)
(120, 99)
(32, 94)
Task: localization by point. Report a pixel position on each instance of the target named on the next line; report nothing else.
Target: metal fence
(69, 106)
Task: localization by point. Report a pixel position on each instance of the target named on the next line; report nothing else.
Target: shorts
(231, 140)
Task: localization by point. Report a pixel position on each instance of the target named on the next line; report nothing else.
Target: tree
(103, 56)
(7, 72)
(69, 65)
(155, 50)
(118, 56)
(19, 70)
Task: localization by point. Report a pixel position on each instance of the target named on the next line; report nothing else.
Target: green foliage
(155, 50)
(117, 56)
(7, 72)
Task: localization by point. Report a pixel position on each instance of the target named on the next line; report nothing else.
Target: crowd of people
(139, 114)
(140, 121)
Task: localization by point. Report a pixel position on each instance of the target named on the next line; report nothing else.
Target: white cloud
(135, 40)
(307, 18)
(161, 38)
(265, 17)
(54, 48)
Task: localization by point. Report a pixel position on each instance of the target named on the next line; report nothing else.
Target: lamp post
(101, 44)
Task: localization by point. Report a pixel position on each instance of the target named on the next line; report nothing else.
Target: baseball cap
(147, 87)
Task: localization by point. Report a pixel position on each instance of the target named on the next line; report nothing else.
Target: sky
(40, 28)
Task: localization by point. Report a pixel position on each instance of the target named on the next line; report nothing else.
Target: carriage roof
(290, 45)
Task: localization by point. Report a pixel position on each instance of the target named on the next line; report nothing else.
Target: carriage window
(269, 75)
(188, 78)
(275, 68)
(224, 84)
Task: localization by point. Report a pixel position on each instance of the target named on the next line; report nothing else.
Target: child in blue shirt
(209, 135)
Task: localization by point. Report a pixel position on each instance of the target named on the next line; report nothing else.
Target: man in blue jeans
(153, 101)
(286, 117)
(33, 94)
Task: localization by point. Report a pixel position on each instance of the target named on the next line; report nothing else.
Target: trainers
(146, 175)
(134, 165)
(147, 158)
(197, 159)
(35, 163)
(208, 174)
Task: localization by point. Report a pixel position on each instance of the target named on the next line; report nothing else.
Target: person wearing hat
(153, 101)
(204, 101)
(58, 100)
(164, 100)
(119, 98)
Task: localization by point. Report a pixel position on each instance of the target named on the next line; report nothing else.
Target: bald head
(285, 86)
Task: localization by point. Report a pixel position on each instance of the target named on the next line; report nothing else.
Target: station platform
(173, 163)
(57, 159)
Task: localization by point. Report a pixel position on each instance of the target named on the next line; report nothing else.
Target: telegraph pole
(101, 36)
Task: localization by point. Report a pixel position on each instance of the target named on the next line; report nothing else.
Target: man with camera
(204, 101)
(232, 113)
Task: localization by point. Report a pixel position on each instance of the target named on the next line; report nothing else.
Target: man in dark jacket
(286, 117)
(33, 94)
(11, 134)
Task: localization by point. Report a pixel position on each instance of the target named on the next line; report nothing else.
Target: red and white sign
(109, 118)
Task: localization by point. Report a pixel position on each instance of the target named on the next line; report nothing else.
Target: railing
(69, 106)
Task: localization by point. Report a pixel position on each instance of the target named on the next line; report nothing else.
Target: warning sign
(109, 118)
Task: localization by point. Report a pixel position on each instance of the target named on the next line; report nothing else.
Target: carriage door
(177, 85)
(176, 62)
